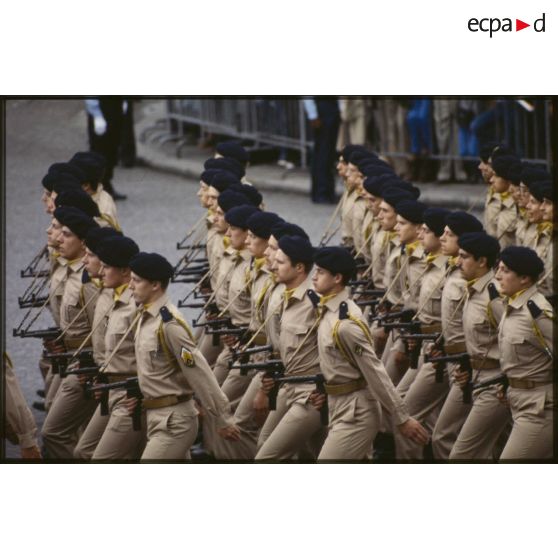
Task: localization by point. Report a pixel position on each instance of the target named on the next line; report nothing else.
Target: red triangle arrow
(519, 25)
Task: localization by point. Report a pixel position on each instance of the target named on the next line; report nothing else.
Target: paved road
(159, 209)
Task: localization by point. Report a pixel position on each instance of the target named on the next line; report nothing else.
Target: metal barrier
(282, 123)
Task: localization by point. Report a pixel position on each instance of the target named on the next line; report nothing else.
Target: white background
(288, 47)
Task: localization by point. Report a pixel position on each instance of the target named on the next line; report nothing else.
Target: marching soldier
(525, 340)
(357, 385)
(170, 367)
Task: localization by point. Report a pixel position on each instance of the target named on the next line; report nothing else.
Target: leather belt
(347, 387)
(111, 378)
(74, 342)
(485, 363)
(526, 384)
(454, 348)
(431, 328)
(165, 401)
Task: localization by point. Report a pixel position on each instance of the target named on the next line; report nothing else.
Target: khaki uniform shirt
(522, 355)
(297, 318)
(119, 320)
(226, 267)
(546, 282)
(90, 291)
(530, 235)
(216, 246)
(171, 364)
(393, 265)
(507, 221)
(379, 250)
(72, 303)
(491, 210)
(107, 207)
(337, 369)
(480, 319)
(18, 415)
(349, 199)
(410, 279)
(260, 283)
(273, 305)
(452, 316)
(370, 227)
(100, 321)
(431, 286)
(521, 227)
(239, 290)
(58, 276)
(359, 212)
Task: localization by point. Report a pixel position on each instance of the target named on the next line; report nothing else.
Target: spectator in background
(467, 110)
(445, 126)
(105, 117)
(419, 125)
(323, 114)
(355, 113)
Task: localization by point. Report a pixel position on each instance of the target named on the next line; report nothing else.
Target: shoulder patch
(166, 314)
(85, 277)
(187, 357)
(358, 350)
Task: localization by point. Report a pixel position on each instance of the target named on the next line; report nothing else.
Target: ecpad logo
(493, 25)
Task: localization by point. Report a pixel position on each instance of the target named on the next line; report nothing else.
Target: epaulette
(343, 310)
(85, 277)
(536, 311)
(166, 314)
(493, 291)
(314, 297)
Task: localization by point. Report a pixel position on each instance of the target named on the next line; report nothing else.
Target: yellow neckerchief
(226, 242)
(431, 257)
(55, 254)
(97, 282)
(368, 232)
(490, 191)
(324, 299)
(504, 195)
(410, 248)
(118, 291)
(210, 212)
(452, 262)
(388, 237)
(515, 296)
(522, 211)
(72, 262)
(261, 296)
(469, 286)
(288, 293)
(543, 227)
(259, 263)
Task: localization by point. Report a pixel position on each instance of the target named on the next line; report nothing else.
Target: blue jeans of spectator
(468, 142)
(420, 129)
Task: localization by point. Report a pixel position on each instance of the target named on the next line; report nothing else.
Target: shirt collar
(481, 282)
(154, 307)
(333, 303)
(520, 298)
(76, 265)
(120, 291)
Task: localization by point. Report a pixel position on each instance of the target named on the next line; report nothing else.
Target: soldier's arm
(198, 374)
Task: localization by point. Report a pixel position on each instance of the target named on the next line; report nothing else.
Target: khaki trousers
(424, 399)
(532, 432)
(171, 431)
(70, 410)
(484, 425)
(221, 366)
(395, 365)
(53, 382)
(291, 426)
(111, 437)
(207, 349)
(450, 421)
(354, 421)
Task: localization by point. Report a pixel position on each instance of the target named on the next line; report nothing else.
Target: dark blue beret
(393, 196)
(501, 150)
(435, 219)
(546, 189)
(261, 223)
(336, 259)
(238, 216)
(64, 183)
(222, 180)
(76, 220)
(522, 260)
(536, 190)
(486, 150)
(151, 266)
(279, 230)
(460, 222)
(349, 149)
(370, 162)
(533, 173)
(375, 184)
(117, 251)
(234, 150)
(78, 198)
(67, 168)
(479, 244)
(411, 210)
(227, 164)
(360, 155)
(507, 167)
(377, 168)
(229, 199)
(297, 248)
(397, 182)
(92, 165)
(96, 236)
(207, 175)
(51, 178)
(249, 191)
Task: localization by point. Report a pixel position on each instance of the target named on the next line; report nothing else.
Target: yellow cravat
(118, 291)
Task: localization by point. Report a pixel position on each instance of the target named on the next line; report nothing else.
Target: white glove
(100, 125)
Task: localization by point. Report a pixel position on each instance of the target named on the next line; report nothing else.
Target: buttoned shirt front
(431, 287)
(72, 303)
(453, 297)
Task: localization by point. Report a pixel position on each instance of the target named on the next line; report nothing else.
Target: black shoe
(39, 406)
(117, 196)
(41, 393)
(199, 454)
